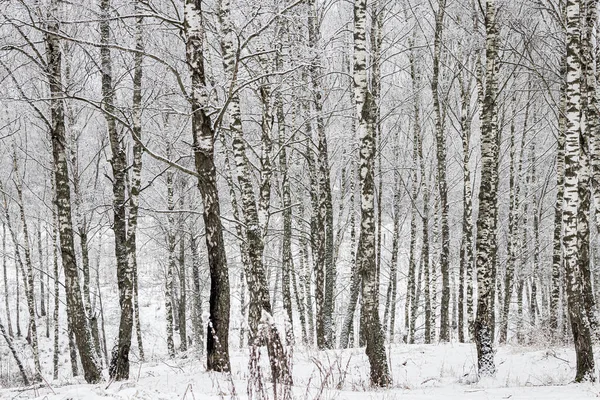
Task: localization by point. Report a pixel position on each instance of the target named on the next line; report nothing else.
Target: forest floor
(419, 372)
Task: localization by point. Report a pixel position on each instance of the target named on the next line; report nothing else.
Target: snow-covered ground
(419, 372)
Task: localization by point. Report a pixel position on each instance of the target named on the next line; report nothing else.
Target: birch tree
(170, 304)
(441, 173)
(488, 193)
(587, 143)
(571, 203)
(56, 311)
(217, 343)
(557, 250)
(323, 218)
(119, 366)
(413, 289)
(135, 177)
(82, 220)
(466, 246)
(5, 278)
(516, 166)
(391, 293)
(28, 278)
(14, 353)
(75, 308)
(365, 256)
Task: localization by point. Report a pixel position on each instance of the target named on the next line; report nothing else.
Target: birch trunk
(375, 61)
(512, 226)
(19, 268)
(119, 365)
(520, 288)
(306, 276)
(47, 283)
(18, 290)
(375, 349)
(435, 251)
(557, 250)
(81, 221)
(75, 307)
(171, 261)
(288, 261)
(101, 306)
(47, 272)
(587, 144)
(347, 326)
(390, 306)
(571, 203)
(182, 311)
(197, 323)
(487, 215)
(324, 259)
(29, 284)
(536, 233)
(5, 276)
(425, 250)
(15, 355)
(523, 244)
(466, 249)
(441, 175)
(318, 210)
(348, 322)
(41, 269)
(136, 173)
(217, 343)
(239, 229)
(297, 283)
(411, 306)
(55, 313)
(266, 167)
(513, 216)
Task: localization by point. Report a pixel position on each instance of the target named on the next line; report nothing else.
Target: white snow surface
(419, 372)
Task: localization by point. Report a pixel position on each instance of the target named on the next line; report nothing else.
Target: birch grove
(195, 183)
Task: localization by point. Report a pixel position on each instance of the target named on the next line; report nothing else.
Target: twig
(429, 380)
(188, 388)
(139, 373)
(561, 359)
(173, 368)
(109, 383)
(47, 384)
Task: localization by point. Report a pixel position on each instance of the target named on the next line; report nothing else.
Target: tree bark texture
(119, 365)
(441, 174)
(488, 207)
(75, 307)
(365, 257)
(217, 342)
(571, 203)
